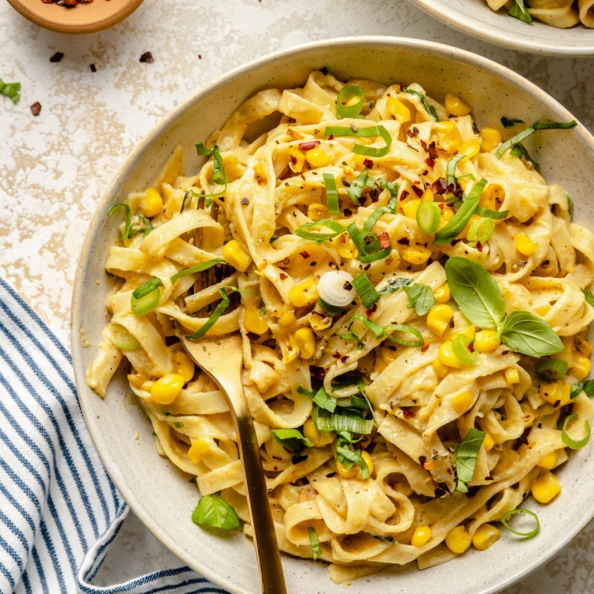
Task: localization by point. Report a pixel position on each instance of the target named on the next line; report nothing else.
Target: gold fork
(222, 359)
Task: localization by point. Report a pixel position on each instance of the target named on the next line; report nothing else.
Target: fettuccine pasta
(562, 14)
(413, 301)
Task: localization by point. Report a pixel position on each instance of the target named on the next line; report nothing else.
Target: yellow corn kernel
(545, 487)
(542, 310)
(397, 110)
(416, 255)
(317, 157)
(556, 393)
(236, 255)
(304, 293)
(469, 149)
(446, 213)
(184, 365)
(383, 357)
(318, 439)
(462, 402)
(345, 247)
(306, 341)
(427, 196)
(439, 318)
(490, 138)
(492, 197)
(446, 356)
(488, 443)
(469, 332)
(485, 536)
(320, 321)
(524, 244)
(347, 472)
(512, 375)
(369, 461)
(581, 366)
(549, 461)
(296, 159)
(317, 211)
(456, 106)
(458, 540)
(448, 136)
(583, 346)
(440, 369)
(567, 353)
(291, 351)
(254, 321)
(409, 207)
(152, 203)
(287, 319)
(260, 173)
(421, 536)
(136, 380)
(486, 341)
(167, 388)
(442, 294)
(198, 450)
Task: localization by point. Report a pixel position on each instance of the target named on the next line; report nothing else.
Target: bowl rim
(436, 49)
(457, 19)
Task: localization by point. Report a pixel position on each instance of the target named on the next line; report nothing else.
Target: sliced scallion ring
(146, 297)
(552, 369)
(519, 510)
(331, 194)
(128, 223)
(366, 290)
(390, 329)
(480, 230)
(345, 107)
(364, 132)
(428, 217)
(367, 252)
(572, 443)
(121, 338)
(335, 288)
(335, 227)
(460, 349)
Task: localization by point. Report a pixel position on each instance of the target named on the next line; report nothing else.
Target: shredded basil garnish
(292, 439)
(363, 132)
(429, 108)
(466, 456)
(510, 122)
(198, 268)
(331, 194)
(219, 176)
(519, 11)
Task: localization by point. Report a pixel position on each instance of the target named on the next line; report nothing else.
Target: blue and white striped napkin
(59, 510)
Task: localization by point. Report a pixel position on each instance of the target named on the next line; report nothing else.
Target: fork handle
(269, 561)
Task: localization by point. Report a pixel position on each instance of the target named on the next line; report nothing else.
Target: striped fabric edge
(59, 510)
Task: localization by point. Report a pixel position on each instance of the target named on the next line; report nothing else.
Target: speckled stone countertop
(100, 100)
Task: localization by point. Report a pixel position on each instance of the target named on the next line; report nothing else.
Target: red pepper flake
(36, 108)
(479, 246)
(147, 57)
(506, 352)
(368, 163)
(409, 414)
(93, 68)
(404, 194)
(336, 355)
(304, 254)
(347, 212)
(439, 186)
(430, 162)
(371, 310)
(57, 57)
(307, 146)
(384, 239)
(422, 460)
(345, 359)
(282, 276)
(418, 191)
(317, 372)
(424, 347)
(404, 241)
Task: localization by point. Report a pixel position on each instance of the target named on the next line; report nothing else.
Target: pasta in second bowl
(489, 20)
(407, 456)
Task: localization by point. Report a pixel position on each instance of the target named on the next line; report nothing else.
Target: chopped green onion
(370, 325)
(330, 310)
(519, 510)
(530, 130)
(146, 297)
(336, 228)
(352, 336)
(572, 443)
(216, 314)
(589, 296)
(343, 453)
(348, 92)
(337, 423)
(198, 268)
(320, 398)
(365, 132)
(491, 214)
(420, 297)
(292, 439)
(456, 224)
(377, 213)
(451, 169)
(466, 457)
(10, 90)
(368, 252)
(121, 338)
(480, 230)
(390, 328)
(219, 176)
(331, 194)
(460, 349)
(365, 290)
(213, 510)
(552, 369)
(428, 217)
(358, 184)
(128, 224)
(314, 543)
(520, 151)
(519, 11)
(430, 109)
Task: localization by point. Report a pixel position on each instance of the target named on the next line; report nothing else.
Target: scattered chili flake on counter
(36, 108)
(11, 90)
(147, 57)
(93, 68)
(57, 57)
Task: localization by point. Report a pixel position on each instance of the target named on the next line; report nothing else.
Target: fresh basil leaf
(524, 332)
(456, 225)
(314, 542)
(213, 510)
(519, 11)
(320, 397)
(344, 454)
(429, 108)
(510, 122)
(329, 310)
(478, 296)
(395, 284)
(588, 388)
(420, 297)
(292, 439)
(466, 456)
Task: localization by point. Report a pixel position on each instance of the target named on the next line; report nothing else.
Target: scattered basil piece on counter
(214, 511)
(11, 90)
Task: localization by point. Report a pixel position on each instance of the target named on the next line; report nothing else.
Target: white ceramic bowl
(475, 18)
(156, 492)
